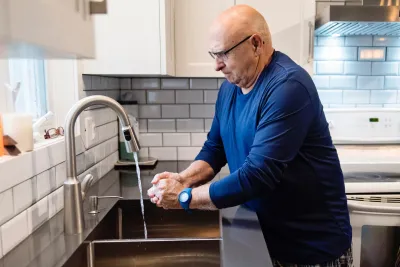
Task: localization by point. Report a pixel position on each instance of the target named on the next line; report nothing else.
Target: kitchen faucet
(73, 195)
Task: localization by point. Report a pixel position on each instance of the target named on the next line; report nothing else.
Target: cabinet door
(285, 24)
(127, 39)
(192, 21)
(57, 28)
(308, 21)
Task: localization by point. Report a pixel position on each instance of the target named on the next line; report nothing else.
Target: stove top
(364, 177)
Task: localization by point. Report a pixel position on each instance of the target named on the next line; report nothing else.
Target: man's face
(235, 59)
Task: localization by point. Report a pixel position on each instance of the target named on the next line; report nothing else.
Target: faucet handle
(94, 203)
(86, 184)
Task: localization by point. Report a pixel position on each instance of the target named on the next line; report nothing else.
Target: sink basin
(175, 238)
(161, 253)
(124, 221)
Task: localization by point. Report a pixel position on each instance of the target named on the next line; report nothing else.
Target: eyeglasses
(53, 133)
(223, 54)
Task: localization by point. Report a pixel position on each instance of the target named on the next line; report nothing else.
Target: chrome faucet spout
(73, 208)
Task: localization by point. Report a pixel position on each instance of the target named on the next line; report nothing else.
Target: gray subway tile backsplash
(161, 125)
(383, 96)
(335, 53)
(161, 97)
(164, 153)
(386, 41)
(370, 78)
(176, 139)
(370, 82)
(357, 68)
(24, 195)
(331, 96)
(149, 111)
(203, 83)
(87, 82)
(385, 68)
(190, 125)
(189, 96)
(392, 82)
(358, 41)
(175, 111)
(393, 54)
(202, 111)
(146, 83)
(99, 83)
(188, 153)
(175, 83)
(343, 82)
(210, 96)
(125, 83)
(330, 67)
(356, 97)
(331, 41)
(198, 139)
(137, 95)
(142, 125)
(150, 139)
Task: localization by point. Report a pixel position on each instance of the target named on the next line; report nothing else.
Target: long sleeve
(284, 122)
(213, 151)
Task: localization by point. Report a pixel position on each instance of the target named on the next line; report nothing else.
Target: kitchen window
(30, 74)
(45, 85)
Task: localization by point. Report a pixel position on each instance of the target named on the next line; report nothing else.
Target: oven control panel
(374, 126)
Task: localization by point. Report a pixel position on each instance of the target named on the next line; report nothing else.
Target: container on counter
(19, 127)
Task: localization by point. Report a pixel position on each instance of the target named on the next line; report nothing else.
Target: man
(270, 128)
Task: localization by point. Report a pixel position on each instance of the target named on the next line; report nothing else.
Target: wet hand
(165, 175)
(164, 193)
(165, 190)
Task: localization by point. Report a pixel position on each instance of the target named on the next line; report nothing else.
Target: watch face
(184, 197)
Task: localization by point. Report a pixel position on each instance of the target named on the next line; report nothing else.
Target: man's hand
(165, 190)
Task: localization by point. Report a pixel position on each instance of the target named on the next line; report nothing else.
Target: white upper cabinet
(193, 19)
(308, 26)
(52, 29)
(288, 22)
(135, 37)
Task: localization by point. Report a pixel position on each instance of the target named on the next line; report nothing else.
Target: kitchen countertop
(242, 239)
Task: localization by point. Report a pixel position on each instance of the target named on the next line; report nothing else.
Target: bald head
(240, 43)
(238, 22)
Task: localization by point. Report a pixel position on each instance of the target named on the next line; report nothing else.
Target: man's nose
(219, 64)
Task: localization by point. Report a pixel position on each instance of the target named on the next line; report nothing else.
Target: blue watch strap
(185, 198)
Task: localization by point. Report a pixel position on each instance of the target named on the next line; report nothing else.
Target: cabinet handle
(310, 42)
(77, 2)
(84, 9)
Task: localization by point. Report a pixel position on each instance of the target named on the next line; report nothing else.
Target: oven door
(375, 220)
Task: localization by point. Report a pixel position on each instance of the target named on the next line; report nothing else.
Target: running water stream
(141, 192)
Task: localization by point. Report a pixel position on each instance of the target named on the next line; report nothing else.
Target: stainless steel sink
(125, 221)
(175, 238)
(161, 253)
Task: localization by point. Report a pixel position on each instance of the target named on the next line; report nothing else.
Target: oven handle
(355, 206)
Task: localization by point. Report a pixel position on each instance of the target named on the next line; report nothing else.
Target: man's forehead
(221, 40)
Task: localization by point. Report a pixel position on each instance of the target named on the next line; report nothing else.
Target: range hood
(349, 18)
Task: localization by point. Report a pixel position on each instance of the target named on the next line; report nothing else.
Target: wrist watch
(185, 197)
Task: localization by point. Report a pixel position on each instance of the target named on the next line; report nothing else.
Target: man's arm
(199, 172)
(283, 126)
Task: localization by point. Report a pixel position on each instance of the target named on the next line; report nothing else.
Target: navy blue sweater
(283, 164)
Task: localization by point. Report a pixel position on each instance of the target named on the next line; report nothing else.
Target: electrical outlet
(90, 132)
